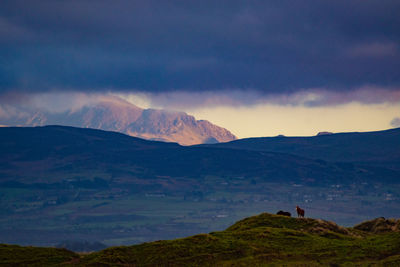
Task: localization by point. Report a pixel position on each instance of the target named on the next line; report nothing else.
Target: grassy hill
(13, 255)
(255, 241)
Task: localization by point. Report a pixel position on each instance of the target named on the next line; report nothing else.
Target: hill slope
(263, 239)
(258, 240)
(63, 183)
(115, 114)
(380, 147)
(58, 151)
(13, 255)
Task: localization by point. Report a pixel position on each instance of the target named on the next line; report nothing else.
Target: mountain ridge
(115, 114)
(69, 146)
(107, 147)
(375, 146)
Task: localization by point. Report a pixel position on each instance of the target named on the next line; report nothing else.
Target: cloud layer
(395, 122)
(315, 97)
(272, 47)
(246, 114)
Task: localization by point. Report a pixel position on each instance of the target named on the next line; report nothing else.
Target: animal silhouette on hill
(300, 212)
(284, 213)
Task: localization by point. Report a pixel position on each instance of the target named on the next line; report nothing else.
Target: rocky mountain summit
(116, 114)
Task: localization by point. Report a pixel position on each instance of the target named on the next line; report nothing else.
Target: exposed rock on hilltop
(177, 127)
(379, 225)
(115, 114)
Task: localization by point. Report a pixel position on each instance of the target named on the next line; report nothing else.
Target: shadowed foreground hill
(256, 241)
(13, 255)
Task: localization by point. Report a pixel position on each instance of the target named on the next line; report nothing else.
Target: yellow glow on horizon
(272, 120)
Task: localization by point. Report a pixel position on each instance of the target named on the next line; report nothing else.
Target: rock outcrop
(116, 114)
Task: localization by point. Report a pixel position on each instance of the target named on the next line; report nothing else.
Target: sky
(258, 68)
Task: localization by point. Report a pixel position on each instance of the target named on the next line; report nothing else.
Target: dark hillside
(373, 147)
(58, 151)
(64, 183)
(12, 255)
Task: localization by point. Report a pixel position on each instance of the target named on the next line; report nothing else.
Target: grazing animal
(284, 213)
(300, 212)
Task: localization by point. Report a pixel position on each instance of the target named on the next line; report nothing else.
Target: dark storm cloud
(160, 46)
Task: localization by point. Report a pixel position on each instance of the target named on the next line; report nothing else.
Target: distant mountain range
(115, 114)
(369, 148)
(56, 151)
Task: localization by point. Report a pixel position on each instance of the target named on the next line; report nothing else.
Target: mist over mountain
(115, 114)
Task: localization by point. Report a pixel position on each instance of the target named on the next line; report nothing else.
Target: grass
(259, 241)
(262, 240)
(13, 255)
